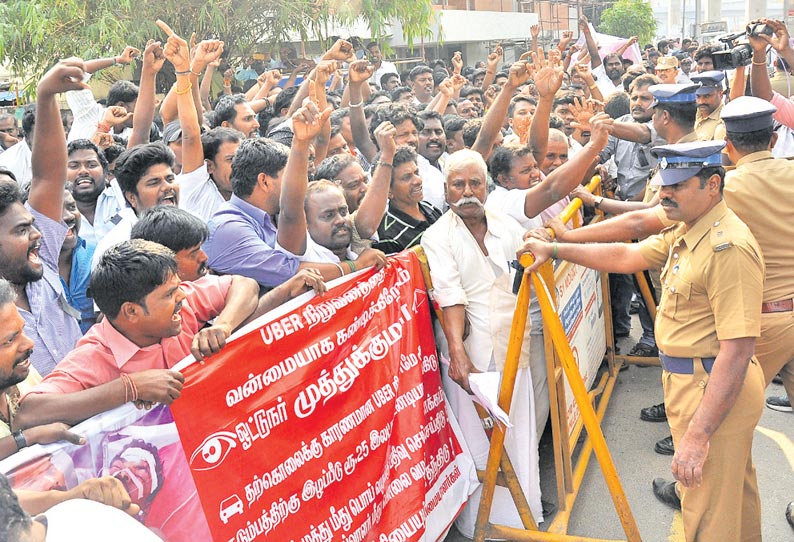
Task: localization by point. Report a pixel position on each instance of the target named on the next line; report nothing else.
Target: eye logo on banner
(213, 450)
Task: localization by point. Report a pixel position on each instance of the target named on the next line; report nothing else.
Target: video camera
(738, 54)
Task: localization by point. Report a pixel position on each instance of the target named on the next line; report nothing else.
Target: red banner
(328, 422)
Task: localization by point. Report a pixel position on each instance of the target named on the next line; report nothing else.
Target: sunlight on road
(781, 440)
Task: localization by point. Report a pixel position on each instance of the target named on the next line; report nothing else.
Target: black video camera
(738, 54)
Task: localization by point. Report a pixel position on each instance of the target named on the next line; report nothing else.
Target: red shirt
(104, 353)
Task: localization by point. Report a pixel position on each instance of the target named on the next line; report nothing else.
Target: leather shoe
(790, 514)
(665, 446)
(777, 380)
(655, 413)
(665, 492)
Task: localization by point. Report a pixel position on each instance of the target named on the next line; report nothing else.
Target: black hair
(133, 163)
(617, 105)
(122, 91)
(87, 145)
(284, 99)
(419, 70)
(376, 95)
(128, 272)
(386, 76)
(470, 131)
(211, 141)
(428, 114)
(398, 91)
(396, 113)
(520, 98)
(9, 195)
(338, 116)
(452, 124)
(225, 110)
(113, 152)
(158, 463)
(502, 159)
(748, 142)
(14, 521)
(403, 154)
(567, 98)
(705, 174)
(705, 51)
(682, 114)
(174, 228)
(255, 156)
(468, 90)
(644, 80)
(333, 165)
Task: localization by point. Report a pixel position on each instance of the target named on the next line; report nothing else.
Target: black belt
(684, 366)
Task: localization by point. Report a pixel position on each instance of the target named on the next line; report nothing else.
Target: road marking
(781, 440)
(677, 528)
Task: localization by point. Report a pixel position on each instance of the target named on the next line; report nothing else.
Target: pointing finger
(165, 28)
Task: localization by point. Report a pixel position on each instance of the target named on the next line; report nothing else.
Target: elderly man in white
(469, 251)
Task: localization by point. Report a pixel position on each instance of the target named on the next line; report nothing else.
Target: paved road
(631, 444)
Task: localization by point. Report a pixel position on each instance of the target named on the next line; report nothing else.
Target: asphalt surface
(631, 443)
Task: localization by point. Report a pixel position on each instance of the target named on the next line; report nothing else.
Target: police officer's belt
(684, 366)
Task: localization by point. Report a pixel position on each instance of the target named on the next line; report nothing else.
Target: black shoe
(790, 514)
(665, 492)
(622, 334)
(641, 350)
(654, 413)
(665, 446)
(777, 380)
(634, 308)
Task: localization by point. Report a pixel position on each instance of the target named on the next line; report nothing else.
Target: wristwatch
(19, 439)
(597, 202)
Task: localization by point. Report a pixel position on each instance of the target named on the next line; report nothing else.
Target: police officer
(706, 325)
(760, 191)
(708, 124)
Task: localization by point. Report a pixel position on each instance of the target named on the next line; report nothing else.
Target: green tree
(626, 18)
(36, 33)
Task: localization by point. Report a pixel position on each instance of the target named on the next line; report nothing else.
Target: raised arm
(360, 71)
(49, 141)
(563, 179)
(592, 46)
(153, 60)
(126, 57)
(202, 55)
(373, 206)
(306, 124)
(548, 80)
(494, 118)
(492, 66)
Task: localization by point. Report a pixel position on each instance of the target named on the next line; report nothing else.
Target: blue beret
(682, 161)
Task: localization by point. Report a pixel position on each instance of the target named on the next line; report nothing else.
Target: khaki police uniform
(710, 127)
(712, 289)
(761, 192)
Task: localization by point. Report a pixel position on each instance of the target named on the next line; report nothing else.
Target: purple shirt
(52, 323)
(242, 242)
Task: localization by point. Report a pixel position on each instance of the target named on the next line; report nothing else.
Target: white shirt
(317, 253)
(90, 521)
(463, 275)
(432, 183)
(108, 213)
(198, 193)
(385, 67)
(604, 83)
(121, 232)
(510, 203)
(87, 114)
(17, 158)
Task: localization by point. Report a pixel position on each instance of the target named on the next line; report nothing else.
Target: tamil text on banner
(580, 305)
(327, 421)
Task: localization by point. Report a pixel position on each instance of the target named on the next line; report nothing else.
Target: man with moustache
(17, 376)
(708, 124)
(101, 205)
(32, 235)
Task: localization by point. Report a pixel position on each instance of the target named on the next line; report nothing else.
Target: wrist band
(184, 91)
(353, 106)
(115, 61)
(352, 265)
(103, 127)
(593, 86)
(196, 74)
(759, 63)
(386, 164)
(20, 440)
(186, 72)
(341, 271)
(554, 251)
